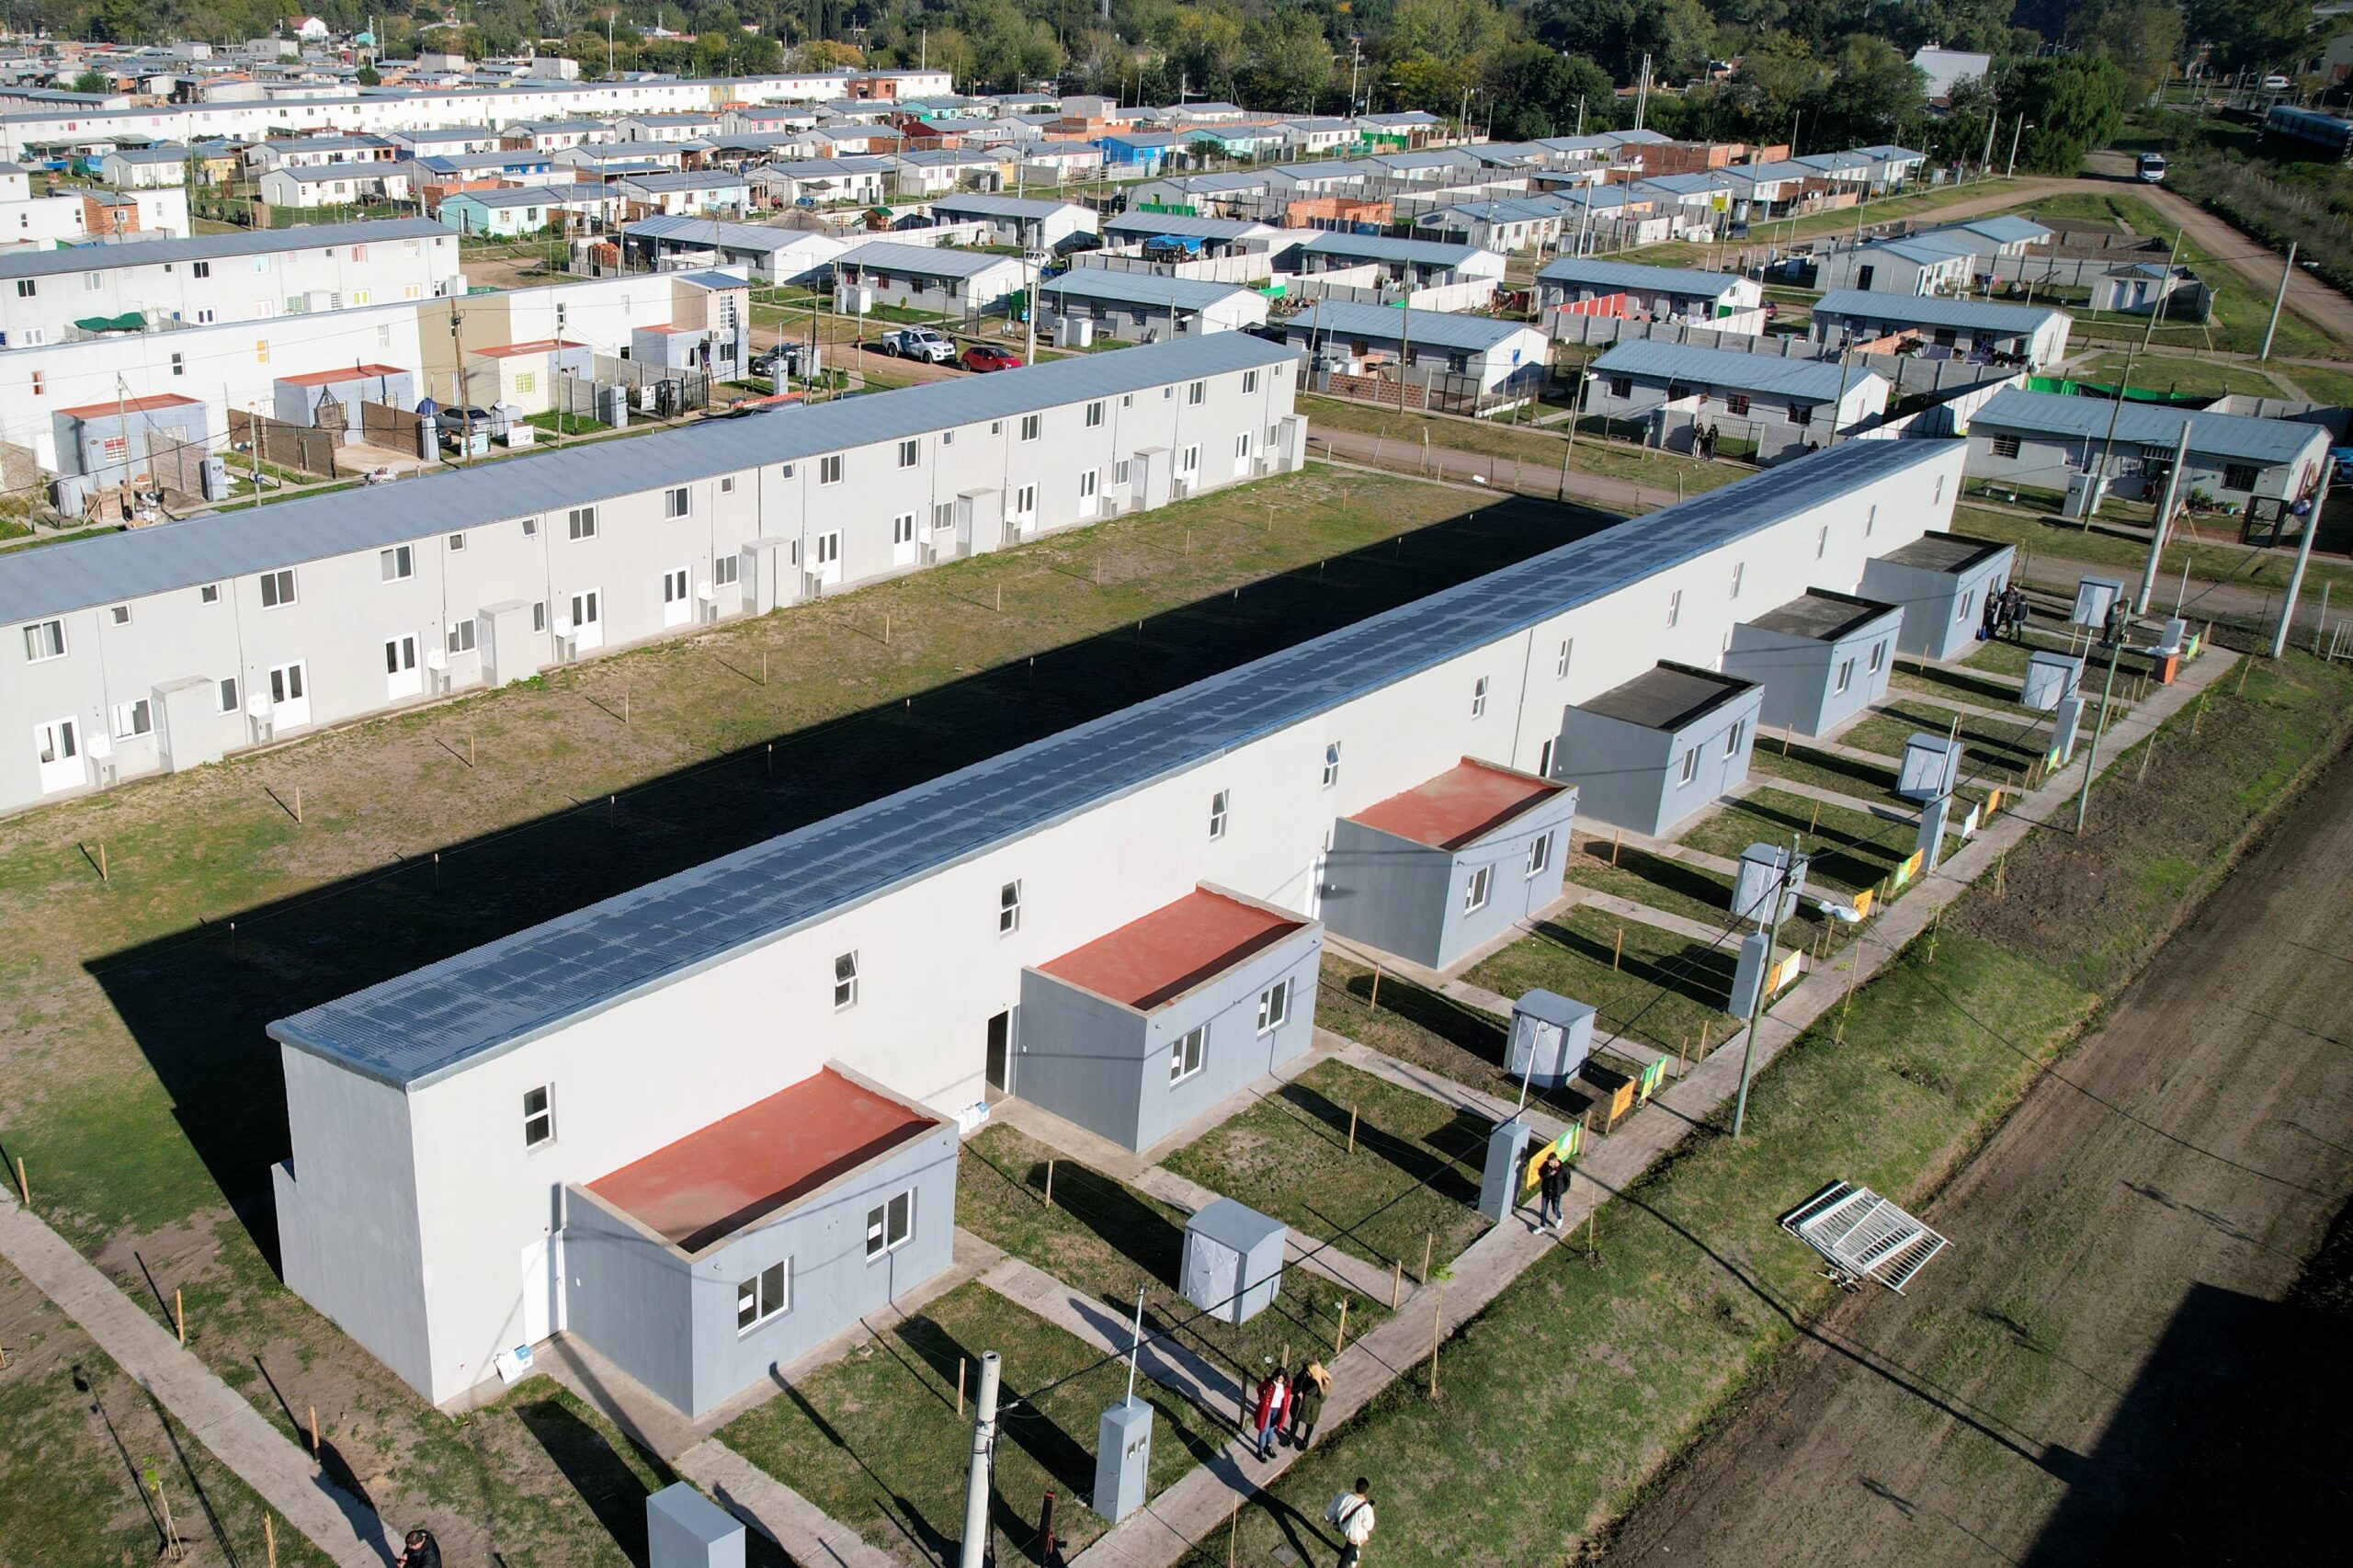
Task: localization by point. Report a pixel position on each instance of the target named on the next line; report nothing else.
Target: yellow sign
(1993, 802)
(1904, 873)
(1566, 1145)
(1863, 902)
(1788, 969)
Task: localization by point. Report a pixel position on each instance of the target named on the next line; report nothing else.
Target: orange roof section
(763, 1158)
(537, 346)
(1459, 806)
(129, 405)
(1149, 962)
(348, 373)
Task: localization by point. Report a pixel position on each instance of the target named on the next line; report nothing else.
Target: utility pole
(2107, 444)
(1642, 93)
(1985, 158)
(2099, 728)
(2016, 131)
(2277, 300)
(2164, 286)
(1766, 920)
(976, 1478)
(2304, 558)
(1845, 358)
(2164, 515)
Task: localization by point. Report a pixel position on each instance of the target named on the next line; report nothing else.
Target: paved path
(810, 1536)
(294, 1487)
(1192, 1509)
(1162, 1359)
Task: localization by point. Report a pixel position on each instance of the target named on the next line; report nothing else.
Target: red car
(988, 357)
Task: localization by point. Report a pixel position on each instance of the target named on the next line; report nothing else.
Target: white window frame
(49, 634)
(678, 501)
(1008, 908)
(1477, 888)
(581, 522)
(1878, 656)
(1540, 853)
(277, 589)
(1674, 606)
(1274, 1006)
(541, 1116)
(1478, 697)
(1188, 1053)
(1690, 767)
(1031, 427)
(227, 691)
(829, 470)
(397, 564)
(1845, 677)
(1544, 759)
(1331, 764)
(1561, 661)
(458, 636)
(846, 981)
(1220, 804)
(769, 1294)
(133, 718)
(897, 1210)
(910, 453)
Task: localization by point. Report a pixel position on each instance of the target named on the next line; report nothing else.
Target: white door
(676, 607)
(903, 539)
(289, 697)
(538, 1291)
(1025, 508)
(588, 621)
(1242, 455)
(402, 677)
(58, 745)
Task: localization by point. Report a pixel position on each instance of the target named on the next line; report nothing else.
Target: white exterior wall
(933, 967)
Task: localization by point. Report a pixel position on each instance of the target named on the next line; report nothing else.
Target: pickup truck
(920, 343)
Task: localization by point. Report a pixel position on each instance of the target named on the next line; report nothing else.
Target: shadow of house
(197, 1002)
(607, 1484)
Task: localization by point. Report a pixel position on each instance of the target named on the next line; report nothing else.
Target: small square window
(120, 615)
(908, 453)
(765, 1295)
(209, 595)
(829, 470)
(1030, 427)
(1249, 381)
(1008, 909)
(277, 589)
(727, 485)
(888, 1226)
(1274, 1006)
(530, 527)
(1540, 853)
(845, 982)
(1094, 415)
(1186, 1055)
(1217, 815)
(1474, 892)
(581, 522)
(539, 1116)
(1330, 764)
(457, 541)
(676, 502)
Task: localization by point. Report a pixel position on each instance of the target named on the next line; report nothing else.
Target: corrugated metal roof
(1629, 274)
(1140, 288)
(925, 261)
(213, 247)
(1148, 223)
(1930, 310)
(1429, 253)
(1029, 206)
(115, 567)
(430, 1023)
(2239, 437)
(714, 230)
(1817, 379)
(1434, 329)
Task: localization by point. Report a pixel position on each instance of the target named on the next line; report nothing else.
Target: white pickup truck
(920, 343)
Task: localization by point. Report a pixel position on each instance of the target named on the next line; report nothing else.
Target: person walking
(419, 1550)
(1308, 1391)
(1553, 1182)
(1274, 1400)
(1352, 1512)
(2013, 612)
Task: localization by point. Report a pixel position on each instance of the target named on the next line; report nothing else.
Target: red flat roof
(537, 346)
(1457, 806)
(349, 373)
(761, 1159)
(1147, 964)
(129, 406)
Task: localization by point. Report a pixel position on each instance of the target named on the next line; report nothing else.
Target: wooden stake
(102, 862)
(298, 804)
(2245, 664)
(1429, 1240)
(1616, 835)
(2001, 865)
(1352, 1130)
(1617, 947)
(1376, 988)
(962, 1363)
(470, 751)
(1437, 1322)
(1000, 599)
(179, 1315)
(269, 1539)
(1786, 731)
(624, 705)
(1049, 1184)
(1341, 1338)
(764, 666)
(886, 629)
(1814, 822)
(1397, 1285)
(1682, 1038)
(1592, 1219)
(24, 1188)
(1233, 1534)
(314, 1431)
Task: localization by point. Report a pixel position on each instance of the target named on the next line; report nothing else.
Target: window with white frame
(539, 1116)
(1196, 393)
(227, 693)
(1249, 382)
(1274, 1006)
(1095, 413)
(727, 484)
(846, 981)
(581, 523)
(765, 1295)
(1690, 765)
(1822, 541)
(1739, 570)
(1189, 463)
(727, 571)
(460, 636)
(909, 453)
(1561, 660)
(1008, 909)
(1217, 803)
(1845, 678)
(530, 527)
(1732, 735)
(134, 717)
(1242, 447)
(1331, 764)
(584, 609)
(676, 502)
(1186, 1054)
(457, 541)
(902, 529)
(1476, 890)
(395, 563)
(539, 615)
(829, 470)
(829, 549)
(1878, 655)
(1674, 606)
(1025, 501)
(1544, 760)
(277, 589)
(209, 595)
(1478, 697)
(1540, 853)
(1965, 606)
(44, 640)
(888, 1226)
(1030, 427)
(1088, 478)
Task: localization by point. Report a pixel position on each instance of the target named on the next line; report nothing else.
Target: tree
(92, 82)
(1289, 62)
(2073, 102)
(1534, 91)
(2252, 35)
(1873, 90)
(2144, 37)
(366, 77)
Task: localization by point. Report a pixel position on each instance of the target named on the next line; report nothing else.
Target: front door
(1000, 1058)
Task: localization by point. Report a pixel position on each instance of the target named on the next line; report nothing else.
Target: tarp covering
(129, 321)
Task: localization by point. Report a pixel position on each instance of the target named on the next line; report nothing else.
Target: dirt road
(2099, 1368)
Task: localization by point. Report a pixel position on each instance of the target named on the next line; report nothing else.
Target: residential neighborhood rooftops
(924, 261)
(2240, 436)
(1932, 309)
(1817, 380)
(338, 376)
(1004, 206)
(1459, 806)
(1139, 289)
(1934, 551)
(1381, 247)
(1151, 961)
(1427, 329)
(114, 407)
(1629, 274)
(770, 1154)
(469, 1007)
(1670, 696)
(1822, 615)
(719, 232)
(213, 247)
(1177, 223)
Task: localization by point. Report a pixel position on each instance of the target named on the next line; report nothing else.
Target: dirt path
(2098, 1365)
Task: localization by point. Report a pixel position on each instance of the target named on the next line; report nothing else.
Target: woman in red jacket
(1274, 1402)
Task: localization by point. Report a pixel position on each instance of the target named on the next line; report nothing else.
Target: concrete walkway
(810, 1535)
(289, 1482)
(1196, 1507)
(1162, 1359)
(1343, 1268)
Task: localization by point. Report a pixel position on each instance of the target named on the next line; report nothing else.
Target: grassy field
(1414, 1173)
(1995, 751)
(1666, 991)
(2209, 561)
(144, 1096)
(875, 1441)
(1848, 850)
(1539, 450)
(1608, 1367)
(2180, 373)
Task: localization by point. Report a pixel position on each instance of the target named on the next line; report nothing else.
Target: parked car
(920, 343)
(455, 425)
(989, 356)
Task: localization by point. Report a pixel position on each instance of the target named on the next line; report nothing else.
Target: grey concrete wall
(1942, 610)
(1079, 1055)
(1512, 894)
(627, 1292)
(1799, 674)
(1630, 775)
(1387, 893)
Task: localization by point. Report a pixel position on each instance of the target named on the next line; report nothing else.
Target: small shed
(1551, 1037)
(1150, 1024)
(1763, 868)
(2049, 676)
(139, 440)
(1930, 768)
(1432, 873)
(523, 375)
(1940, 582)
(1821, 658)
(686, 1530)
(2094, 598)
(331, 399)
(1233, 1266)
(670, 348)
(1650, 753)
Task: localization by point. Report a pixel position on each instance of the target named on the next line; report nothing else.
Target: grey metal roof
(212, 247)
(1430, 252)
(1823, 615)
(506, 197)
(426, 1024)
(1177, 223)
(1232, 1223)
(1930, 309)
(1434, 329)
(2240, 438)
(1670, 696)
(115, 567)
(1027, 206)
(1817, 380)
(1629, 274)
(1140, 288)
(715, 231)
(929, 261)
(695, 180)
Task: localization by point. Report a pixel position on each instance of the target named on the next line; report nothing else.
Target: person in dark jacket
(1553, 1182)
(420, 1551)
(1307, 1395)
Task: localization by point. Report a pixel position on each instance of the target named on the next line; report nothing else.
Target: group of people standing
(2005, 616)
(1290, 1406)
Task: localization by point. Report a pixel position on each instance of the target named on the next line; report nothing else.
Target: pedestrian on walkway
(420, 1551)
(1989, 625)
(1352, 1511)
(1274, 1400)
(2014, 611)
(1307, 1395)
(1553, 1181)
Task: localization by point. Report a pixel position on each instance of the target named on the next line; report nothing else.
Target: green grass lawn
(1103, 1239)
(2209, 561)
(2180, 373)
(2323, 385)
(874, 1440)
(1414, 1173)
(1995, 751)
(1666, 991)
(1540, 451)
(1849, 850)
(1679, 887)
